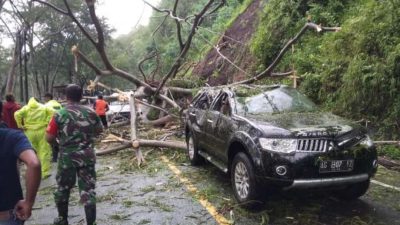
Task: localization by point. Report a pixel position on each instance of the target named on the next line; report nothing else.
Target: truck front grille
(312, 145)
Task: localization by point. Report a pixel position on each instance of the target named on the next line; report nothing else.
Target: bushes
(354, 72)
(391, 151)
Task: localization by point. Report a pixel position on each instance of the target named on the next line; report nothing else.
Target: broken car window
(222, 104)
(274, 101)
(203, 101)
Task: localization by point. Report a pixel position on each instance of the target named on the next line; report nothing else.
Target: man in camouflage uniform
(75, 126)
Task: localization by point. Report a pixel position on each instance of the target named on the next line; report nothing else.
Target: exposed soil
(234, 46)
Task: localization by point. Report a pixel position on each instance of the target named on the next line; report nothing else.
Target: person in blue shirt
(14, 207)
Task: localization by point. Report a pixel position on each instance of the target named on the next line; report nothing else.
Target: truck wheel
(243, 181)
(354, 191)
(192, 150)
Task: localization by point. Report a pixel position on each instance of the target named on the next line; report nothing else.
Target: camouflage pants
(66, 179)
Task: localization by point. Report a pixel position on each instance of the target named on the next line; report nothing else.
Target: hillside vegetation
(354, 72)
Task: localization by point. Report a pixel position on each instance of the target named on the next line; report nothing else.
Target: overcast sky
(123, 15)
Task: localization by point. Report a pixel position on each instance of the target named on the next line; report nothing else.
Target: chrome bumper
(323, 182)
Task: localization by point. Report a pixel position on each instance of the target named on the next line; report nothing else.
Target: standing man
(14, 208)
(75, 126)
(9, 108)
(101, 108)
(50, 102)
(33, 119)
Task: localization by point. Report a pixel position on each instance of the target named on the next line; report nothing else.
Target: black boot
(90, 212)
(62, 218)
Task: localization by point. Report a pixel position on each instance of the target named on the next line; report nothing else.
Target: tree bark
(134, 139)
(159, 122)
(11, 71)
(144, 143)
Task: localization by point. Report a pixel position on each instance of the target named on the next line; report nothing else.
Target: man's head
(100, 97)
(48, 97)
(73, 93)
(10, 98)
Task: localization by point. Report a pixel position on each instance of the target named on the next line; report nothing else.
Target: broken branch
(271, 67)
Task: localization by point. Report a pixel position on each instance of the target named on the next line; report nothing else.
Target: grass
(47, 190)
(208, 192)
(109, 197)
(144, 221)
(148, 189)
(388, 176)
(119, 216)
(390, 151)
(157, 203)
(127, 203)
(385, 196)
(151, 167)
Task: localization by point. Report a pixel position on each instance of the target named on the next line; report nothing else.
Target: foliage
(127, 51)
(354, 72)
(391, 151)
(49, 39)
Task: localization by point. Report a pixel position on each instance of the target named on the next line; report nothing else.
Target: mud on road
(155, 194)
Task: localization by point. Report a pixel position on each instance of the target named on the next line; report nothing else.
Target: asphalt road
(167, 190)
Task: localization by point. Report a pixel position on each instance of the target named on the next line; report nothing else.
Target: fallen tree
(159, 90)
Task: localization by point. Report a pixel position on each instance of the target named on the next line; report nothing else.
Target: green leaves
(356, 71)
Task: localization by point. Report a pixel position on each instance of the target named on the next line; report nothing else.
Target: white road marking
(385, 185)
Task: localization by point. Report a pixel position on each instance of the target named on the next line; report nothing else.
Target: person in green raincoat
(33, 119)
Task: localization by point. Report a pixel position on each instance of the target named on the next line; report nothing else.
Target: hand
(23, 210)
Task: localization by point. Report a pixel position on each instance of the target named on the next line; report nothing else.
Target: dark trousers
(55, 149)
(66, 179)
(104, 120)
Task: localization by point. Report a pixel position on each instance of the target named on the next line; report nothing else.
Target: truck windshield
(279, 100)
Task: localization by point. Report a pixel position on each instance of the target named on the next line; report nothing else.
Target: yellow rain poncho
(53, 104)
(33, 119)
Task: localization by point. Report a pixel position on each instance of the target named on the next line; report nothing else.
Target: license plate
(329, 166)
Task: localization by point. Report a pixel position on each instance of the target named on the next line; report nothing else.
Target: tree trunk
(144, 143)
(159, 122)
(134, 139)
(11, 71)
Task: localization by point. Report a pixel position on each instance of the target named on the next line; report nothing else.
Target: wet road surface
(158, 194)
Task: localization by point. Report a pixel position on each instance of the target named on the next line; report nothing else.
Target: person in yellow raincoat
(50, 102)
(33, 119)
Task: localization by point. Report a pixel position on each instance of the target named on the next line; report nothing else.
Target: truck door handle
(210, 121)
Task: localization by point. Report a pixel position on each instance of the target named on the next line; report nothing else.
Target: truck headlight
(367, 141)
(279, 145)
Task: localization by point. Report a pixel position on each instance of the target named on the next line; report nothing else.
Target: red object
(52, 128)
(9, 109)
(101, 107)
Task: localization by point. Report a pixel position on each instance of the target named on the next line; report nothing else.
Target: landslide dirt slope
(234, 46)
